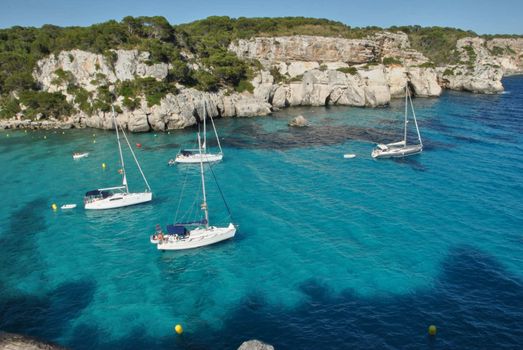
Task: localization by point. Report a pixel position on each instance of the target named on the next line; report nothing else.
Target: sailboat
(188, 156)
(400, 148)
(179, 236)
(118, 196)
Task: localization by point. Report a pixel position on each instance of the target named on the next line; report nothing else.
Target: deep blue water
(332, 253)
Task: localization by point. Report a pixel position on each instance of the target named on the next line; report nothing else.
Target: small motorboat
(171, 162)
(78, 155)
(68, 206)
(349, 156)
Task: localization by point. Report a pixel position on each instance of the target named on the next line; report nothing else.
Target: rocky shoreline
(295, 71)
(12, 341)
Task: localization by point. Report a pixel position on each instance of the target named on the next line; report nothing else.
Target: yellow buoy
(54, 206)
(103, 165)
(178, 329)
(432, 330)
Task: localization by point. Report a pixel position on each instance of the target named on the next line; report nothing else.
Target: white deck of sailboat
(197, 158)
(394, 150)
(118, 200)
(199, 237)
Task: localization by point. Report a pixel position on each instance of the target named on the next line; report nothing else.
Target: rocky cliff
(175, 111)
(295, 71)
(484, 64)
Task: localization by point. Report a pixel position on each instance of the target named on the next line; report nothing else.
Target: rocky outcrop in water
(299, 121)
(486, 62)
(255, 345)
(10, 341)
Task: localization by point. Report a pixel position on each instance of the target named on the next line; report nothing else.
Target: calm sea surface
(331, 253)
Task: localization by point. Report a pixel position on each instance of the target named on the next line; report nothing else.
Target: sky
(481, 16)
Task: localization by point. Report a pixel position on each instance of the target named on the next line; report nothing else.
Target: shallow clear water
(331, 253)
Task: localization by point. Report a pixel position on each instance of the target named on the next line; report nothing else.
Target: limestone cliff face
(318, 71)
(89, 71)
(483, 64)
(486, 62)
(308, 71)
(305, 48)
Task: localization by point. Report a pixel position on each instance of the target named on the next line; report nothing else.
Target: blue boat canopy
(104, 194)
(176, 230)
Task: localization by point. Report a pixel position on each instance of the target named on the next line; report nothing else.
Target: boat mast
(136, 161)
(415, 121)
(204, 128)
(406, 121)
(204, 204)
(124, 178)
(216, 134)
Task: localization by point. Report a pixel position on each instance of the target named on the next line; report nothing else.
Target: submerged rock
(11, 341)
(299, 121)
(255, 345)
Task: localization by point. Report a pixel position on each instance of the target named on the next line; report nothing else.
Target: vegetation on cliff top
(202, 42)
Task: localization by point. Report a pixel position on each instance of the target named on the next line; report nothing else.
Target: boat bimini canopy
(104, 192)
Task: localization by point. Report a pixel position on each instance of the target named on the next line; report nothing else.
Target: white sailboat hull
(396, 151)
(196, 238)
(118, 200)
(198, 158)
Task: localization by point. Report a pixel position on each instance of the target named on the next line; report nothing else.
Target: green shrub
(245, 85)
(131, 103)
(9, 106)
(205, 81)
(448, 71)
(471, 54)
(278, 77)
(427, 65)
(63, 77)
(49, 104)
(153, 90)
(81, 97)
(497, 51)
(348, 70)
(436, 43)
(389, 61)
(111, 57)
(296, 78)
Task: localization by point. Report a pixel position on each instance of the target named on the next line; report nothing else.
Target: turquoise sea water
(331, 253)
